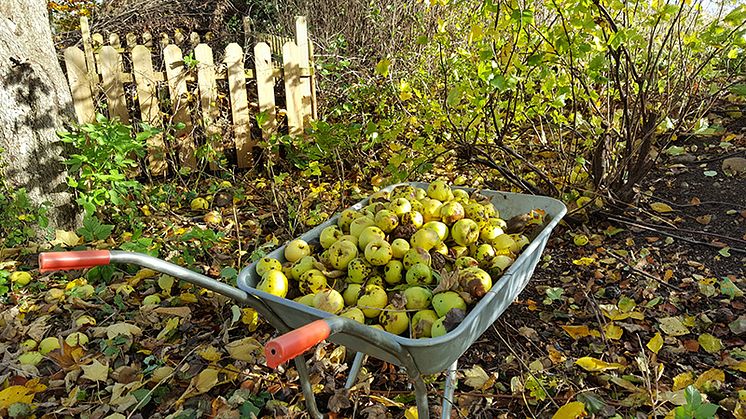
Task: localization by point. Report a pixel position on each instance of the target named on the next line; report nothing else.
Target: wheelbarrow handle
(81, 259)
(295, 342)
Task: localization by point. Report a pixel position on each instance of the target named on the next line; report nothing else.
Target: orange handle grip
(60, 261)
(294, 343)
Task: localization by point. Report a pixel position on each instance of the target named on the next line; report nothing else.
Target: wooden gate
(194, 80)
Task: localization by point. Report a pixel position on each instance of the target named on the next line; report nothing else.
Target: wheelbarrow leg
(448, 392)
(305, 383)
(420, 393)
(355, 370)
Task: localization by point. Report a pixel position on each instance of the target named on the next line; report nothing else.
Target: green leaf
(454, 96)
(727, 287)
(724, 252)
(693, 398)
(382, 68)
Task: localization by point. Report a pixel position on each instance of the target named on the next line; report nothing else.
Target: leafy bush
(104, 164)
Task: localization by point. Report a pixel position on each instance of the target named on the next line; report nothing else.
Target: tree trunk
(34, 102)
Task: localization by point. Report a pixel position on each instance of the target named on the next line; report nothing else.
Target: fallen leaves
(571, 410)
(660, 207)
(655, 343)
(710, 343)
(95, 371)
(595, 365)
(243, 349)
(672, 326)
(578, 332)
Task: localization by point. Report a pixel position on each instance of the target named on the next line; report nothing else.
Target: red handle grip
(60, 261)
(294, 343)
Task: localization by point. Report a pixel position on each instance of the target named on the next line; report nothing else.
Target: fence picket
(239, 104)
(265, 87)
(147, 97)
(301, 39)
(179, 99)
(208, 95)
(75, 63)
(111, 75)
(131, 40)
(293, 103)
(85, 32)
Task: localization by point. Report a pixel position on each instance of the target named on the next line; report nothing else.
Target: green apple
(359, 224)
(393, 272)
(403, 191)
(312, 281)
(399, 247)
(372, 209)
(379, 196)
(424, 238)
(275, 283)
(422, 323)
(372, 301)
(386, 220)
(353, 313)
(417, 206)
(329, 235)
(302, 266)
(458, 251)
(484, 253)
(431, 209)
(306, 300)
(400, 206)
(375, 280)
(465, 232)
(418, 298)
(500, 263)
(461, 195)
(378, 252)
(489, 230)
(416, 255)
(438, 227)
(438, 328)
(440, 248)
(439, 190)
(346, 218)
(329, 300)
(351, 294)
(358, 270)
(520, 241)
(503, 241)
(296, 249)
(419, 274)
(267, 264)
(350, 238)
(341, 253)
(413, 218)
(48, 345)
(465, 262)
(490, 211)
(475, 211)
(443, 302)
(393, 320)
(370, 234)
(475, 281)
(451, 211)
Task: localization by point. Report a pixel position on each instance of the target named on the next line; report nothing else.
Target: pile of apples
(411, 262)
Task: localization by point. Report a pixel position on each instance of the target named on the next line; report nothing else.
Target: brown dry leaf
(205, 380)
(339, 400)
(174, 311)
(449, 281)
(554, 355)
(122, 328)
(695, 201)
(704, 219)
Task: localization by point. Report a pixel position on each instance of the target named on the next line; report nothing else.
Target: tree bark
(35, 101)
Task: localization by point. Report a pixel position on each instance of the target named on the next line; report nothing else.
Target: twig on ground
(643, 273)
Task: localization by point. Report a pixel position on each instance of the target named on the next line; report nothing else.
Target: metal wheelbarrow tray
(306, 326)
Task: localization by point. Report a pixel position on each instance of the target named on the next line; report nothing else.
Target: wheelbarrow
(302, 327)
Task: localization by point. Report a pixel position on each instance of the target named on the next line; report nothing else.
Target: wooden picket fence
(100, 68)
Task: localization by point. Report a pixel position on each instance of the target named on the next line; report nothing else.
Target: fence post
(111, 74)
(208, 95)
(239, 104)
(178, 89)
(301, 39)
(265, 86)
(293, 96)
(147, 97)
(80, 85)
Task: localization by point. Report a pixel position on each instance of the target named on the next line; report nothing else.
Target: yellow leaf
(656, 343)
(96, 371)
(75, 283)
(243, 349)
(250, 318)
(572, 410)
(710, 343)
(475, 377)
(205, 380)
(584, 261)
(210, 353)
(613, 331)
(661, 207)
(710, 375)
(385, 401)
(188, 297)
(682, 381)
(577, 332)
(84, 320)
(15, 394)
(411, 413)
(166, 282)
(170, 326)
(592, 364)
(122, 328)
(739, 366)
(143, 273)
(580, 240)
(65, 238)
